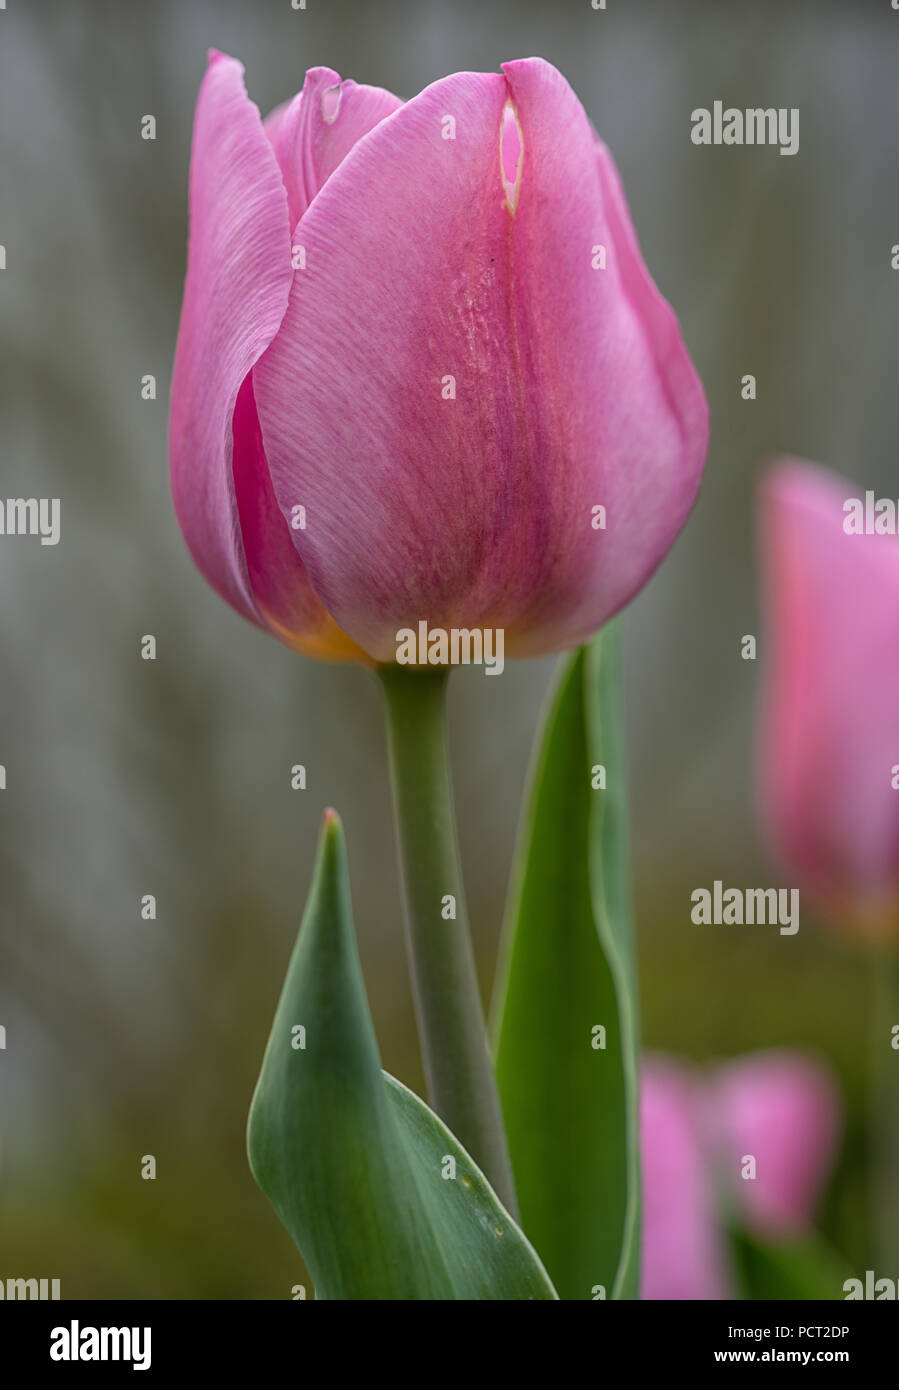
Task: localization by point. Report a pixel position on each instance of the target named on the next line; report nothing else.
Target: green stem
(884, 1108)
(459, 1071)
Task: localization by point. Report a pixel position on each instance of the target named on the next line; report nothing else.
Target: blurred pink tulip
(782, 1109)
(419, 349)
(684, 1255)
(830, 732)
(696, 1134)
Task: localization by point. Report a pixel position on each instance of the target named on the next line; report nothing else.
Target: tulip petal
(315, 132)
(238, 279)
(282, 592)
(455, 387)
(830, 736)
(683, 1249)
(782, 1109)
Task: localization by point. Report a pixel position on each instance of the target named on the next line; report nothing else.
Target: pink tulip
(406, 388)
(830, 735)
(697, 1133)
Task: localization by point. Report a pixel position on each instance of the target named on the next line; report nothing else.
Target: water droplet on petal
(511, 148)
(331, 103)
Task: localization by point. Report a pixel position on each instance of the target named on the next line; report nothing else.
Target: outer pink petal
(830, 734)
(783, 1109)
(572, 385)
(683, 1248)
(315, 132)
(238, 279)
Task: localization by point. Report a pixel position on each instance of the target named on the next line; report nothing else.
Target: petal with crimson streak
(236, 291)
(284, 595)
(235, 295)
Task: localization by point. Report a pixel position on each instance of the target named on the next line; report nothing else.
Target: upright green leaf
(380, 1198)
(568, 1090)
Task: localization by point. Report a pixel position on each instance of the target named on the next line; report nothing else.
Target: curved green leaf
(570, 1107)
(355, 1165)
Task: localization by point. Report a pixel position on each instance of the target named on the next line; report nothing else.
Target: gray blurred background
(172, 777)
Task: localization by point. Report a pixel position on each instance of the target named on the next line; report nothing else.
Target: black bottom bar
(267, 1338)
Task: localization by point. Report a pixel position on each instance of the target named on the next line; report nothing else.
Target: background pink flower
(696, 1133)
(830, 726)
(684, 1254)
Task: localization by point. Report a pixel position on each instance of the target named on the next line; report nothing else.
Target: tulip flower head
(830, 731)
(698, 1135)
(423, 374)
